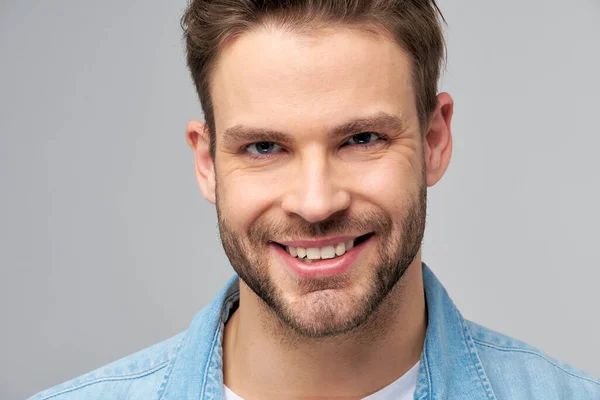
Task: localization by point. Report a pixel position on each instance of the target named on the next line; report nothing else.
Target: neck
(258, 363)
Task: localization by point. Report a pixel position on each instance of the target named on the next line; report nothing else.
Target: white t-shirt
(402, 388)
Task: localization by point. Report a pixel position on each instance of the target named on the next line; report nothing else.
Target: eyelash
(243, 150)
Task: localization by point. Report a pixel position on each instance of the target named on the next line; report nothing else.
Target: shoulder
(517, 369)
(137, 376)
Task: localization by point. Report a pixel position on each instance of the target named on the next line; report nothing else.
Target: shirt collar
(450, 367)
(197, 369)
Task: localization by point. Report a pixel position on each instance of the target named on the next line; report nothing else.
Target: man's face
(317, 138)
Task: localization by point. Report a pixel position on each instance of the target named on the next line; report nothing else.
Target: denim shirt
(460, 361)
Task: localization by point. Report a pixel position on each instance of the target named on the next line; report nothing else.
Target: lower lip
(321, 268)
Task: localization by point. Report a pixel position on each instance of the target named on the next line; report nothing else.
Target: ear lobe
(198, 138)
(438, 139)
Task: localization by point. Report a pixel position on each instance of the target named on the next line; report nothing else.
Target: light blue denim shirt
(460, 361)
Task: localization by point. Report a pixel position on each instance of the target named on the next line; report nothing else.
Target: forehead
(277, 78)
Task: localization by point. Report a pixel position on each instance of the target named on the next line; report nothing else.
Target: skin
(345, 336)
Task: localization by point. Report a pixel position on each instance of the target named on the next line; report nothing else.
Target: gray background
(106, 245)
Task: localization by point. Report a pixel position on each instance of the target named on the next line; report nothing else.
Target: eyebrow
(380, 121)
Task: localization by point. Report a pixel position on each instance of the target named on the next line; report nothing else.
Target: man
(322, 132)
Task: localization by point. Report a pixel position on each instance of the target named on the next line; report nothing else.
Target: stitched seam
(501, 348)
(204, 379)
(430, 394)
(476, 361)
(423, 383)
(216, 338)
(173, 361)
(108, 379)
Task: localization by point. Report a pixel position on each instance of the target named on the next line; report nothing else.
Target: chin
(325, 312)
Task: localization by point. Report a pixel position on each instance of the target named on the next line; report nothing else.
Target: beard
(324, 310)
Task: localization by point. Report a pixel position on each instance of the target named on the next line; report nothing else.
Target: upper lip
(311, 243)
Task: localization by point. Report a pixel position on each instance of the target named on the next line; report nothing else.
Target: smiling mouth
(310, 254)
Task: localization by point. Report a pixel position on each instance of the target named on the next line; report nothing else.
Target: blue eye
(363, 138)
(262, 148)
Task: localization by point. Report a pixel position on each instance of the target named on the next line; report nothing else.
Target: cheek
(246, 196)
(389, 182)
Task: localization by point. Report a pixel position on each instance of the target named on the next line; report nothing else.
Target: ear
(198, 139)
(438, 139)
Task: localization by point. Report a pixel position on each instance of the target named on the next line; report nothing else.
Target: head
(321, 123)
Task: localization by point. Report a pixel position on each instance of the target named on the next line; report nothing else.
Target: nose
(315, 191)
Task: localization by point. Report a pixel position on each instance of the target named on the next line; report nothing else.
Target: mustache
(264, 230)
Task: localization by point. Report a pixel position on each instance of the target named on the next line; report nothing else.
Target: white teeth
(318, 253)
(292, 251)
(313, 253)
(301, 252)
(340, 249)
(327, 252)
